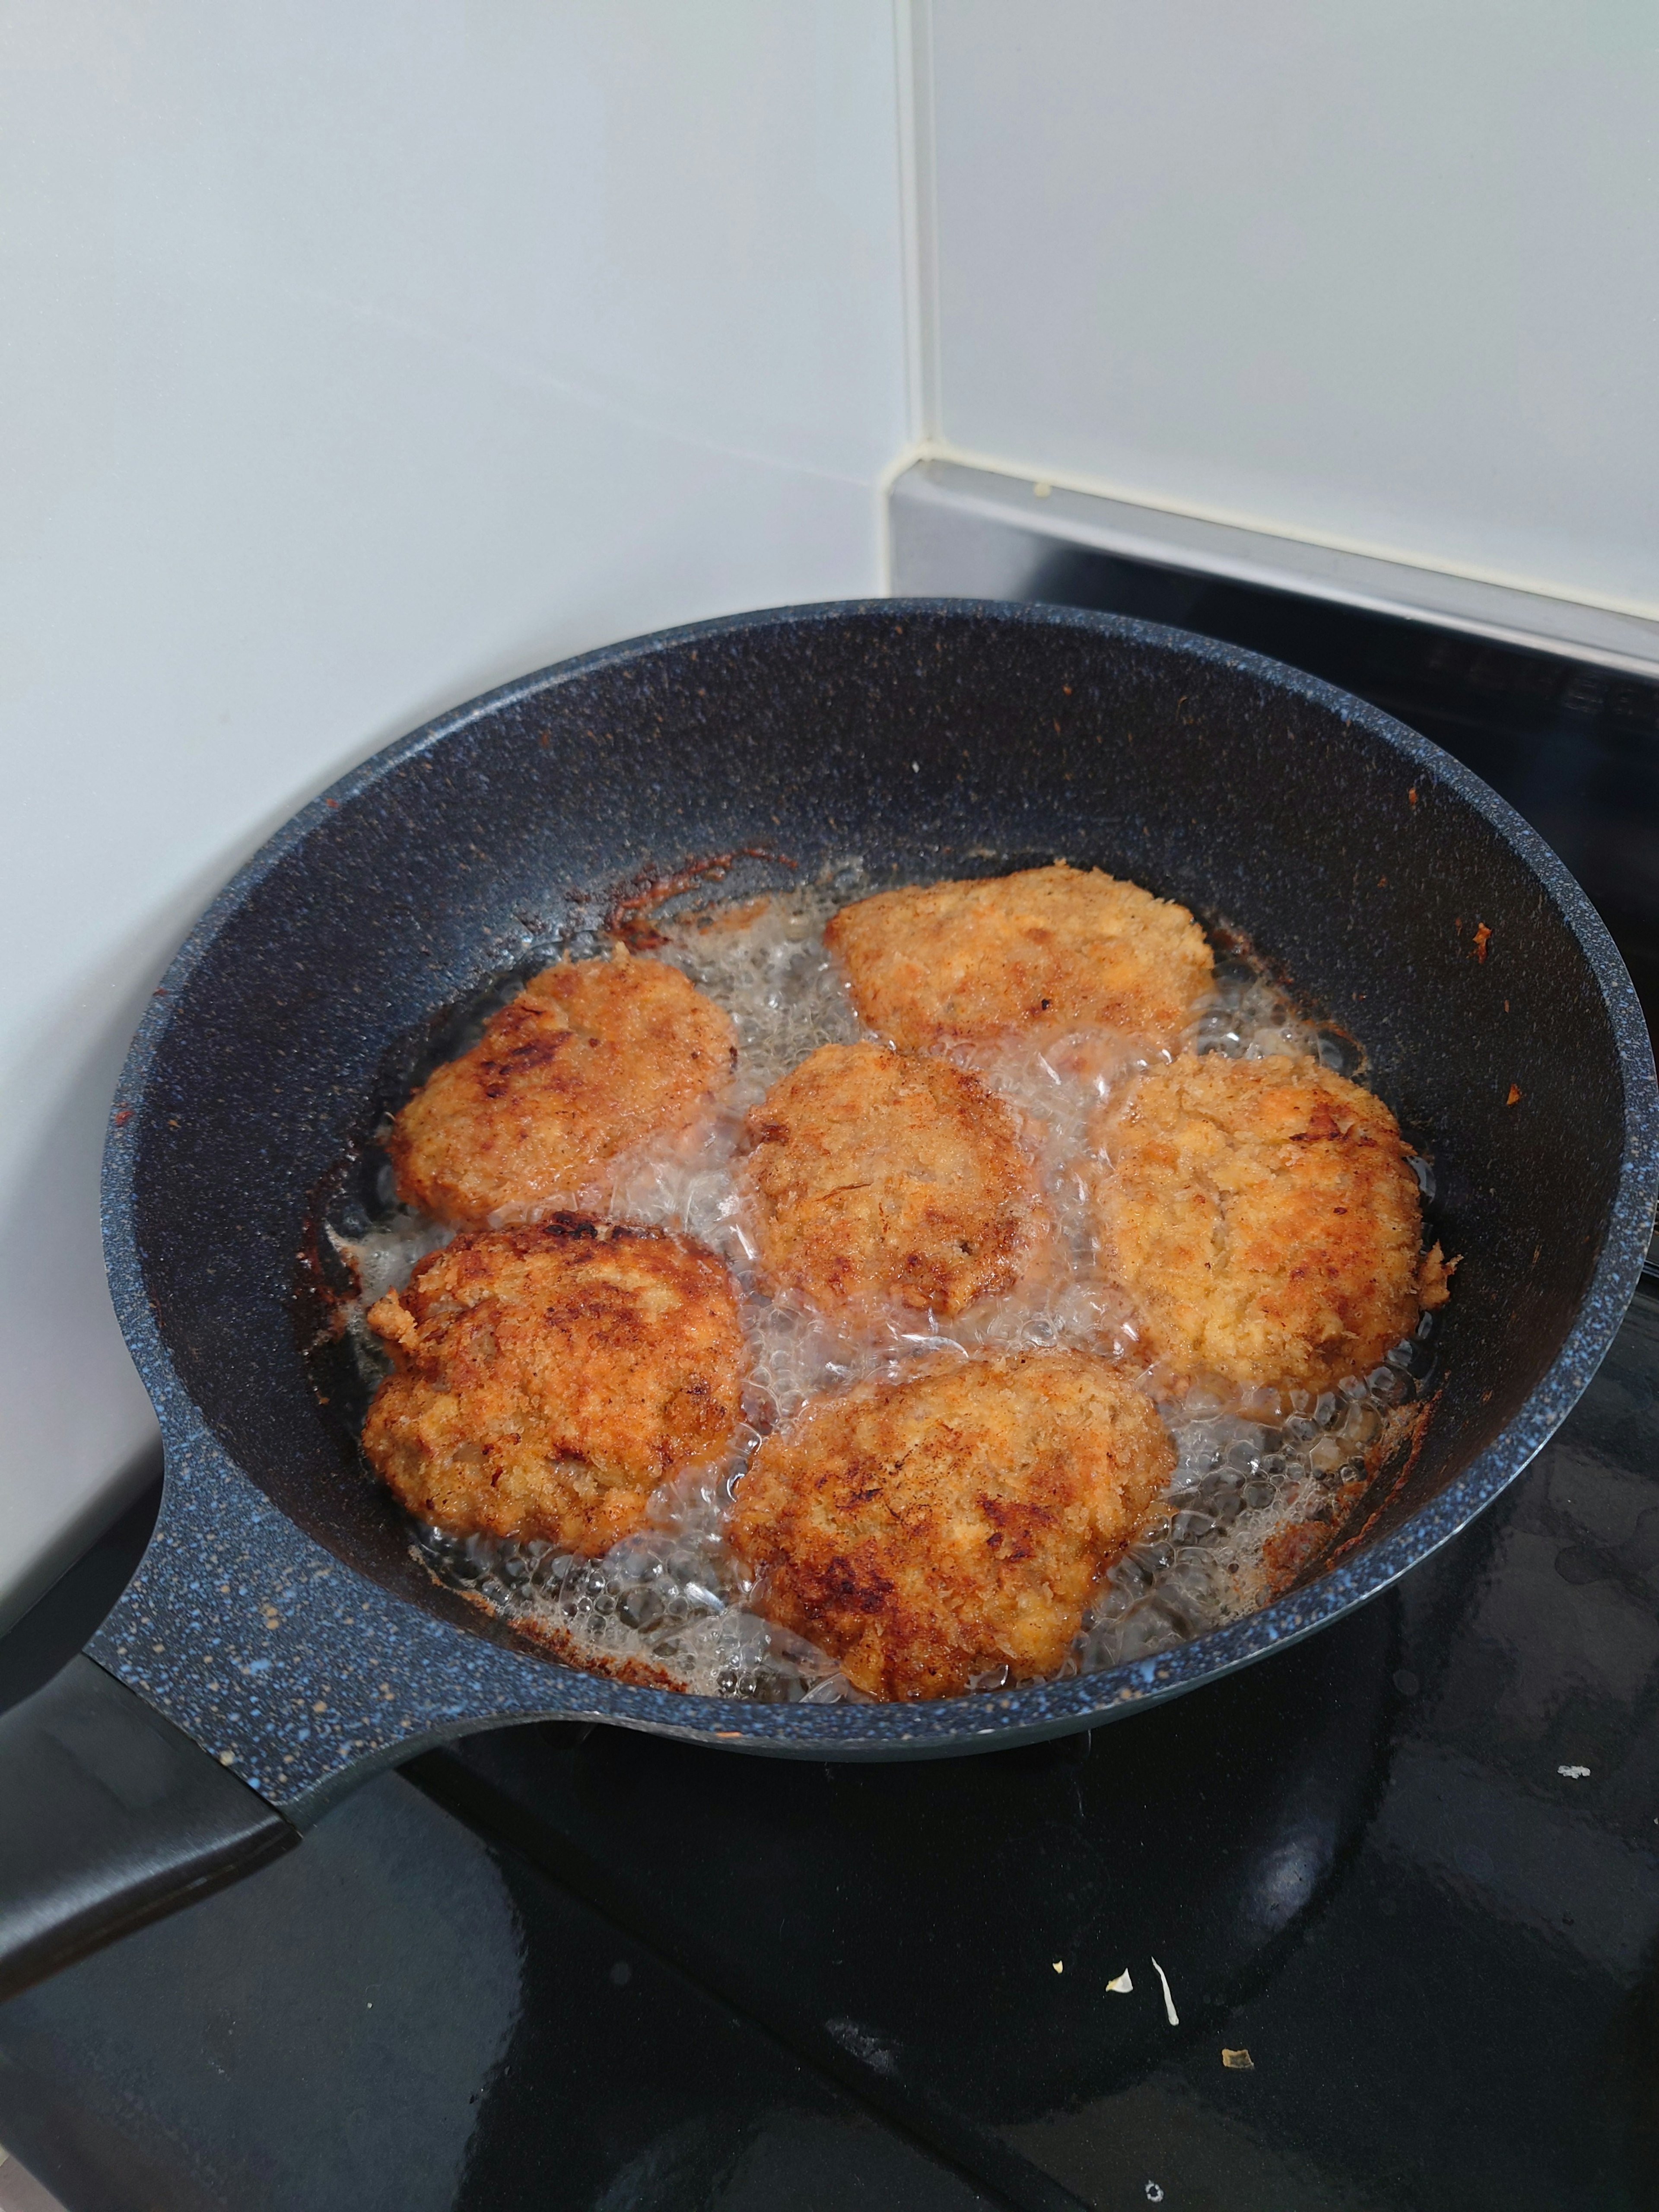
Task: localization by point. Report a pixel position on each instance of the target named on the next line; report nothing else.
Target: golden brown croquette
(930, 1530)
(877, 1177)
(591, 1058)
(1057, 948)
(547, 1378)
(1262, 1220)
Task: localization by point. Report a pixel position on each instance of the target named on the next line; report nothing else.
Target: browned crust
(928, 1530)
(1263, 1222)
(557, 1643)
(1349, 1513)
(1058, 949)
(629, 915)
(548, 1377)
(1391, 1464)
(640, 1674)
(1289, 1554)
(877, 1177)
(592, 1058)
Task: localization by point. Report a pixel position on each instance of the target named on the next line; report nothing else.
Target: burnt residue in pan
(631, 910)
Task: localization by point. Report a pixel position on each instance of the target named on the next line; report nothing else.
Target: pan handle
(109, 1817)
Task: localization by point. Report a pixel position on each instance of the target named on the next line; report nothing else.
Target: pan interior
(920, 743)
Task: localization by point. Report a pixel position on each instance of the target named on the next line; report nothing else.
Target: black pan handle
(109, 1817)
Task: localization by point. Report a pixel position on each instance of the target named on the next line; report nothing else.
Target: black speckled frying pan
(279, 1642)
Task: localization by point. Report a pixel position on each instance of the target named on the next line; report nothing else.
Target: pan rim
(535, 1685)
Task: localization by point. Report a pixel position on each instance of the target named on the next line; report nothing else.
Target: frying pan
(279, 1642)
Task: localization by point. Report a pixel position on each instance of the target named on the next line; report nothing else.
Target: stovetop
(1372, 1926)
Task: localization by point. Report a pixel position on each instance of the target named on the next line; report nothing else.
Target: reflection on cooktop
(945, 1936)
(1402, 1881)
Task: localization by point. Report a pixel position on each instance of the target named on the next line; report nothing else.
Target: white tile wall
(355, 359)
(1382, 277)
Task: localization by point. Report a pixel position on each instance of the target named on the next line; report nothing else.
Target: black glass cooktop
(1374, 1925)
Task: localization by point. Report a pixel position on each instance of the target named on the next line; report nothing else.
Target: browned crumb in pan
(591, 1059)
(559, 1644)
(1057, 948)
(547, 1378)
(877, 1176)
(615, 1666)
(632, 910)
(1349, 1511)
(928, 1530)
(1263, 1220)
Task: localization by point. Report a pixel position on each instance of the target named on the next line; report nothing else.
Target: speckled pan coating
(277, 1616)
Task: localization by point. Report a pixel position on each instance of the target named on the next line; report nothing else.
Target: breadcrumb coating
(1056, 948)
(878, 1177)
(548, 1377)
(1263, 1220)
(927, 1531)
(591, 1059)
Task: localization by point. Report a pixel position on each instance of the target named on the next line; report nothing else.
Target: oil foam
(670, 1598)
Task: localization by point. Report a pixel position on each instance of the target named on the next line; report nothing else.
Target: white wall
(356, 357)
(1384, 275)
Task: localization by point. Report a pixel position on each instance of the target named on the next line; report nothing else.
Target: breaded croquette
(1058, 948)
(879, 1176)
(547, 1378)
(592, 1057)
(1262, 1218)
(931, 1530)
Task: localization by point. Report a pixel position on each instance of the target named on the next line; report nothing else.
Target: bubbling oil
(669, 1603)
